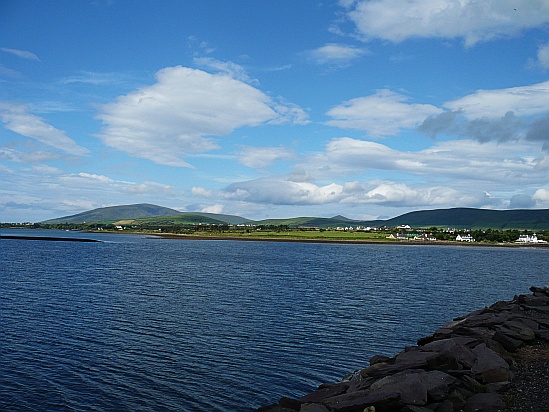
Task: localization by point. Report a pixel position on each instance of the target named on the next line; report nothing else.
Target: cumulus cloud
(522, 101)
(259, 157)
(471, 20)
(335, 54)
(383, 114)
(401, 195)
(213, 209)
(22, 54)
(541, 197)
(448, 174)
(283, 191)
(485, 129)
(179, 114)
(201, 192)
(462, 161)
(543, 56)
(19, 120)
(500, 115)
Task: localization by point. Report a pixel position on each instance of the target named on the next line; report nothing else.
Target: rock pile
(466, 365)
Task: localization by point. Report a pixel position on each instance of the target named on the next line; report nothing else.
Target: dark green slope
(535, 219)
(114, 213)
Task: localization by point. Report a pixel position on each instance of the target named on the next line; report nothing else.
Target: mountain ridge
(459, 218)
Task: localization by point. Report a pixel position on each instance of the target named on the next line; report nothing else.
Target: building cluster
(530, 239)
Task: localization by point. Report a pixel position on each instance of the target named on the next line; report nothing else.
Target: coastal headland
(493, 359)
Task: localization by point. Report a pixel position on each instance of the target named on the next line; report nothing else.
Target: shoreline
(317, 240)
(342, 241)
(493, 359)
(49, 238)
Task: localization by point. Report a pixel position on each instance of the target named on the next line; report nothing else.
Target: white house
(465, 238)
(529, 239)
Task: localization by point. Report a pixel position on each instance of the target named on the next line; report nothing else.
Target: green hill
(115, 213)
(461, 218)
(148, 213)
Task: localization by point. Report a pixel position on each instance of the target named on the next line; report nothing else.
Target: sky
(273, 108)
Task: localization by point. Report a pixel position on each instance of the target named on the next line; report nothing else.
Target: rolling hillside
(147, 213)
(461, 218)
(115, 213)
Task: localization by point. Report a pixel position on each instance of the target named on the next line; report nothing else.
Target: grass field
(298, 235)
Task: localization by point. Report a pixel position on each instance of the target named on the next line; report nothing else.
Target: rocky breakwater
(466, 365)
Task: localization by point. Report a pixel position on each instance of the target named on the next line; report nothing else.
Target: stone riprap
(466, 365)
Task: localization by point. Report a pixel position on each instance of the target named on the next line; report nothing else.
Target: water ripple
(157, 325)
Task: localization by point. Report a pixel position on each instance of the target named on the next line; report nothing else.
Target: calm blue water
(142, 324)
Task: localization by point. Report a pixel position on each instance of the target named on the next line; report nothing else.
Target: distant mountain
(148, 212)
(115, 213)
(460, 218)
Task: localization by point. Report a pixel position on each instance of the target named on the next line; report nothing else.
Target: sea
(141, 323)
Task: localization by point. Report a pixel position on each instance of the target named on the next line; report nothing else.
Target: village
(407, 233)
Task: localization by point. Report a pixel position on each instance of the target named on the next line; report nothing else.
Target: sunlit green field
(300, 235)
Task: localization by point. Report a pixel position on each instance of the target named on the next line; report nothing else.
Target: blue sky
(273, 108)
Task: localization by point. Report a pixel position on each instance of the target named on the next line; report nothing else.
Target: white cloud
(541, 196)
(232, 69)
(522, 101)
(335, 54)
(22, 54)
(472, 20)
(13, 155)
(149, 188)
(259, 157)
(93, 177)
(499, 163)
(201, 192)
(18, 120)
(543, 56)
(213, 209)
(383, 114)
(178, 115)
(402, 195)
(283, 191)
